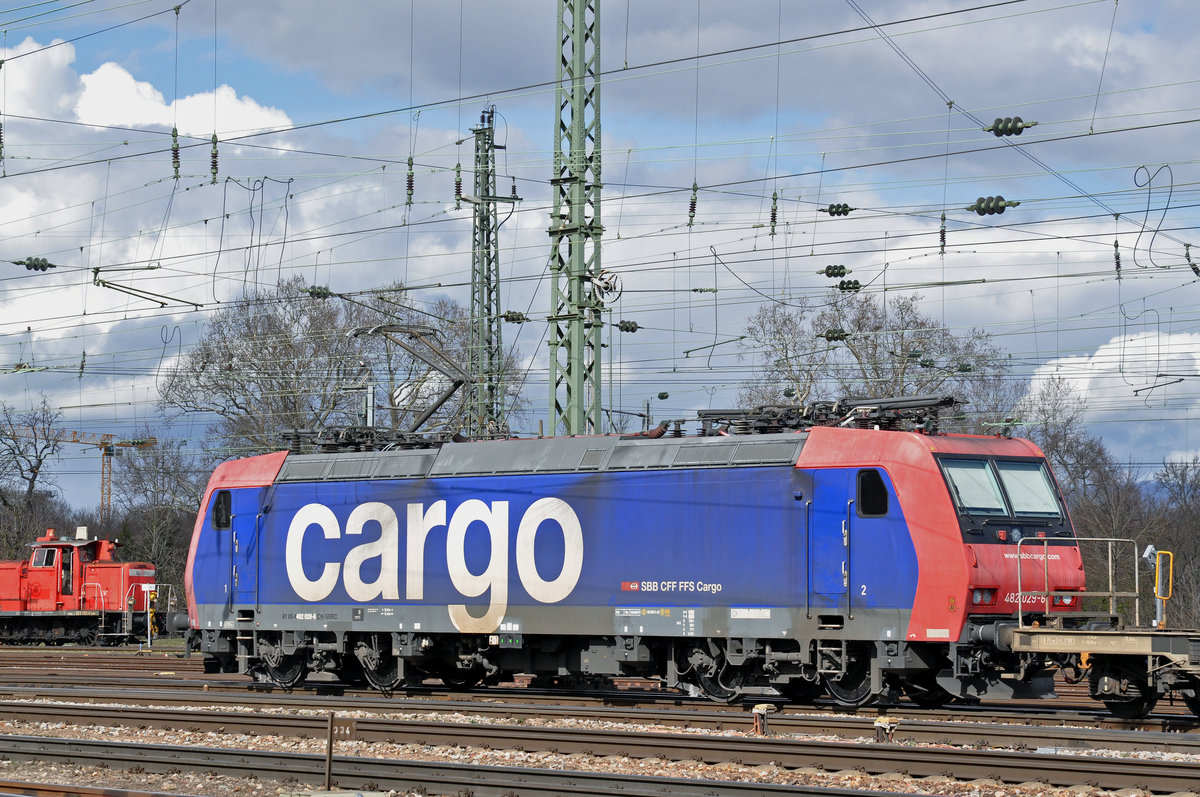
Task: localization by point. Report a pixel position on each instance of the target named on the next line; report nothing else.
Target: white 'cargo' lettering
(419, 525)
(309, 515)
(560, 511)
(420, 521)
(386, 549)
(495, 575)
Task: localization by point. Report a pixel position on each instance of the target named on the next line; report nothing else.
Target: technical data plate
(672, 621)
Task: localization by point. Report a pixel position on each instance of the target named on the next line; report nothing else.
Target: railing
(154, 598)
(1112, 593)
(97, 589)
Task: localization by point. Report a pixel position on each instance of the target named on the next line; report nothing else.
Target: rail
(1048, 595)
(1062, 767)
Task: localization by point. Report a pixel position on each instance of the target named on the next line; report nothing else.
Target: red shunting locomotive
(74, 590)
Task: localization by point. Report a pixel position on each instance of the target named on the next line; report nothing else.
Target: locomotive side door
(244, 538)
(829, 537)
(43, 579)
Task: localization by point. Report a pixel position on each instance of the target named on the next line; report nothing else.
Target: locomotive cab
(1017, 534)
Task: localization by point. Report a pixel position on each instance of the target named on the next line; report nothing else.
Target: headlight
(983, 596)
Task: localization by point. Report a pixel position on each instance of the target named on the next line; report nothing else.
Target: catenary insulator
(1008, 126)
(991, 205)
(410, 181)
(774, 210)
(942, 236)
(213, 167)
(692, 204)
(1117, 258)
(175, 150)
(457, 185)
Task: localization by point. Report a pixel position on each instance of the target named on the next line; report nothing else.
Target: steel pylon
(485, 352)
(576, 308)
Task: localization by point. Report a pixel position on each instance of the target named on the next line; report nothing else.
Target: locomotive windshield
(43, 557)
(1029, 488)
(1002, 488)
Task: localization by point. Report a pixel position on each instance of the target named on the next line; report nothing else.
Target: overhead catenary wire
(715, 192)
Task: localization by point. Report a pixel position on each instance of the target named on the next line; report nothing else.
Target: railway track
(238, 689)
(17, 663)
(380, 774)
(915, 730)
(158, 660)
(1051, 767)
(1050, 751)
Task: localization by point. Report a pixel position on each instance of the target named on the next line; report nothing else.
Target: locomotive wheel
(284, 669)
(853, 688)
(712, 672)
(725, 685)
(87, 635)
(289, 672)
(379, 666)
(1135, 708)
(1192, 701)
(1140, 698)
(385, 678)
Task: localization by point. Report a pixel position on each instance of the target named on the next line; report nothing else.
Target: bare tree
(896, 350)
(783, 339)
(857, 346)
(278, 360)
(294, 359)
(1052, 416)
(1179, 483)
(28, 444)
(159, 489)
(28, 440)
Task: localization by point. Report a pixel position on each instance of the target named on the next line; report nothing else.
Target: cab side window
(872, 498)
(44, 557)
(222, 513)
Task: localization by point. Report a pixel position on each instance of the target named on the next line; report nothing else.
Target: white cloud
(1183, 456)
(111, 96)
(1144, 366)
(41, 85)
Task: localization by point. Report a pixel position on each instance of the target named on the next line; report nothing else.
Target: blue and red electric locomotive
(854, 552)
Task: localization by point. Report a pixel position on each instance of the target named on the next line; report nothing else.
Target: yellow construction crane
(107, 443)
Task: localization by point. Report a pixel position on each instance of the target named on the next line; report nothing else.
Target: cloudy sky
(318, 106)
